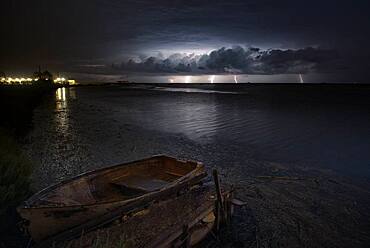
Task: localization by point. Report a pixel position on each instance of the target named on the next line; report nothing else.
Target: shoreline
(288, 204)
(269, 93)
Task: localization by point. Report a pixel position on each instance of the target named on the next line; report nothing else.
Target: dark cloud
(238, 59)
(296, 61)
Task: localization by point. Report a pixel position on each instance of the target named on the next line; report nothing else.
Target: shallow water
(285, 153)
(83, 128)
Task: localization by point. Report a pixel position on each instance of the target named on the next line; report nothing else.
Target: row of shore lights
(10, 80)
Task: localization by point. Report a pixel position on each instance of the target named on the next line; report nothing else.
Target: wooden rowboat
(125, 187)
(180, 221)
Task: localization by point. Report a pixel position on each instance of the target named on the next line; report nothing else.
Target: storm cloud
(238, 59)
(274, 36)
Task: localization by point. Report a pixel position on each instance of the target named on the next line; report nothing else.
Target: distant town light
(21, 80)
(71, 81)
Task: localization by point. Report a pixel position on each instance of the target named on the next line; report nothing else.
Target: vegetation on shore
(15, 172)
(15, 177)
(16, 107)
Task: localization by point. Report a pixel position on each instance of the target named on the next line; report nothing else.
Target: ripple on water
(106, 125)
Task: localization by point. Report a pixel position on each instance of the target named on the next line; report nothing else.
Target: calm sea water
(91, 124)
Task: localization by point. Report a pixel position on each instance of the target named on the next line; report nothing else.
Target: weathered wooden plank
(117, 213)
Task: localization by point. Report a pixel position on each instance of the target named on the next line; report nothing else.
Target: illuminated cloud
(238, 60)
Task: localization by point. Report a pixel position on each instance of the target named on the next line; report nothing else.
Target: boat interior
(117, 183)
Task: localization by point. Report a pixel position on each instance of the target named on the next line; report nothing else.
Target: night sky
(196, 37)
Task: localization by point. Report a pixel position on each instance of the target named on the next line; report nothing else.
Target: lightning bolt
(188, 79)
(211, 79)
(301, 78)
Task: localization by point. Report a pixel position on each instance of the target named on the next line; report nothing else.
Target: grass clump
(15, 172)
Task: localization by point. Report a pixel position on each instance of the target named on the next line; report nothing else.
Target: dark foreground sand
(288, 205)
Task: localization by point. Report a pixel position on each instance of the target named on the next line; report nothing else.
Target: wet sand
(289, 205)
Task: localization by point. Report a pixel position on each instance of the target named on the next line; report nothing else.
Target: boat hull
(42, 222)
(185, 219)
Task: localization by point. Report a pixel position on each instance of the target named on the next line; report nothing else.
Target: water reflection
(197, 117)
(62, 96)
(233, 126)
